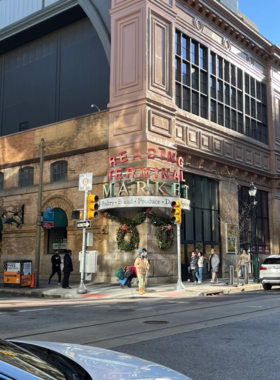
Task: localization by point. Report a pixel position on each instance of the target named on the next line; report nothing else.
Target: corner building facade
(188, 77)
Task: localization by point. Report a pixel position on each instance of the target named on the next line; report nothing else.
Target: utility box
(17, 273)
(90, 262)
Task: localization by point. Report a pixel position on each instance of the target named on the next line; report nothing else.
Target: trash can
(17, 273)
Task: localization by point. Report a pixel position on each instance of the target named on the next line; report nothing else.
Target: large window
(235, 99)
(59, 171)
(201, 223)
(26, 177)
(246, 212)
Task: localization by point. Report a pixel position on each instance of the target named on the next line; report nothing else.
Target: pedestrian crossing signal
(77, 215)
(176, 212)
(92, 206)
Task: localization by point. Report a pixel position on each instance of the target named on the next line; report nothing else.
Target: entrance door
(57, 236)
(200, 226)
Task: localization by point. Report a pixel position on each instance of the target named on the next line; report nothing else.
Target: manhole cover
(120, 310)
(156, 322)
(5, 310)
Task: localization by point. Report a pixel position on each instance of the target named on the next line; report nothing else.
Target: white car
(270, 272)
(61, 361)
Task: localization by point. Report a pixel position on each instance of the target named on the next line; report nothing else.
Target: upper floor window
(59, 171)
(1, 181)
(218, 90)
(26, 177)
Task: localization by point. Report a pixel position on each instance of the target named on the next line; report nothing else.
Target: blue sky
(266, 14)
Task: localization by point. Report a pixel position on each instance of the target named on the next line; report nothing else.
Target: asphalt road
(210, 338)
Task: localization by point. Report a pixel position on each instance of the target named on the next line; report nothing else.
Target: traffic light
(77, 215)
(176, 212)
(92, 206)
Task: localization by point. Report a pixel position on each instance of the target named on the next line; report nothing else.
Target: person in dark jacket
(56, 261)
(68, 268)
(194, 267)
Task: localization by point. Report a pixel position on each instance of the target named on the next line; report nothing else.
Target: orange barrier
(32, 280)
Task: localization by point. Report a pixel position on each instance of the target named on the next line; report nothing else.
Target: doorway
(57, 236)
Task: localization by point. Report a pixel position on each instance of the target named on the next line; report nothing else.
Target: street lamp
(253, 193)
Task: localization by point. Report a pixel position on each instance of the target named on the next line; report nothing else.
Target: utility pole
(179, 285)
(39, 217)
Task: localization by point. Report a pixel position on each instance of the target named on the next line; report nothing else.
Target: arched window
(1, 181)
(59, 171)
(26, 177)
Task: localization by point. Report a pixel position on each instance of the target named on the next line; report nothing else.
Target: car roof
(275, 256)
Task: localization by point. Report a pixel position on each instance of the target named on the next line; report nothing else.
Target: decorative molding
(128, 121)
(160, 123)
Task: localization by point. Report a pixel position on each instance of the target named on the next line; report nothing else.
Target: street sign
(83, 224)
(85, 181)
(48, 219)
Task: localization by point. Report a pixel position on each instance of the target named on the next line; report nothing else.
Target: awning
(60, 218)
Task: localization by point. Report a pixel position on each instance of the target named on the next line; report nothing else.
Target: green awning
(60, 218)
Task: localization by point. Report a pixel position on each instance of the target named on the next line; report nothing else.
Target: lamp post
(253, 193)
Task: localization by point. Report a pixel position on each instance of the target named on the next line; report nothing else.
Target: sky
(266, 14)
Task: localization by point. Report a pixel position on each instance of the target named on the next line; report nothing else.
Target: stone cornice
(36, 18)
(236, 28)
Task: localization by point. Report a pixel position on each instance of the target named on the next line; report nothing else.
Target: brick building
(191, 77)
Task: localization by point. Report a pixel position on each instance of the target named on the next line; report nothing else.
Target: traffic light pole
(179, 285)
(82, 289)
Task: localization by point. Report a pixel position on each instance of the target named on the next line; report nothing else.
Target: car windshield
(20, 358)
(272, 260)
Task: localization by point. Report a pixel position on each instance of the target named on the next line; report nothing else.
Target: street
(224, 337)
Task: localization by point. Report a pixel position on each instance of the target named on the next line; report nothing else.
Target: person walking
(68, 268)
(142, 265)
(56, 261)
(213, 266)
(194, 267)
(243, 262)
(200, 264)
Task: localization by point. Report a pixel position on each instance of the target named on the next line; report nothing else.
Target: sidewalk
(114, 291)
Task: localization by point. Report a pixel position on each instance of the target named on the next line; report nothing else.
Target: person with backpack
(56, 261)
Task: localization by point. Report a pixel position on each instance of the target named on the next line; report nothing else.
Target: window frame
(25, 180)
(60, 172)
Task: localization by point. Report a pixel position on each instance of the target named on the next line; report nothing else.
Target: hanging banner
(231, 238)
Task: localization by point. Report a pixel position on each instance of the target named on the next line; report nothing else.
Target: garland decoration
(164, 232)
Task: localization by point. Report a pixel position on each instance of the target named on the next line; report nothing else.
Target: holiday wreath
(164, 232)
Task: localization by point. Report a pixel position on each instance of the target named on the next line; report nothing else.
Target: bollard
(231, 275)
(246, 278)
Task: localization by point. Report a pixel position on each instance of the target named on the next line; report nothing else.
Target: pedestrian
(197, 250)
(194, 266)
(213, 266)
(200, 267)
(243, 262)
(68, 268)
(142, 265)
(56, 261)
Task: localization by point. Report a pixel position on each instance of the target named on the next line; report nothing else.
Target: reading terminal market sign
(143, 197)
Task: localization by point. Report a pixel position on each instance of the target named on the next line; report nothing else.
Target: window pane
(203, 82)
(177, 45)
(227, 71)
(227, 117)
(259, 90)
(259, 111)
(197, 195)
(240, 123)
(186, 99)
(213, 87)
(213, 111)
(246, 83)
(253, 92)
(259, 130)
(264, 93)
(253, 129)
(220, 114)
(220, 67)
(194, 48)
(212, 63)
(177, 70)
(233, 77)
(189, 225)
(247, 107)
(226, 88)
(207, 225)
(186, 73)
(253, 108)
(178, 95)
(195, 103)
(233, 120)
(264, 138)
(203, 57)
(239, 79)
(59, 171)
(203, 106)
(198, 224)
(185, 45)
(194, 78)
(220, 90)
(264, 114)
(240, 101)
(247, 126)
(233, 97)
(206, 193)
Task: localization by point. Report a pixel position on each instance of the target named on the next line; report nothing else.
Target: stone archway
(59, 201)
